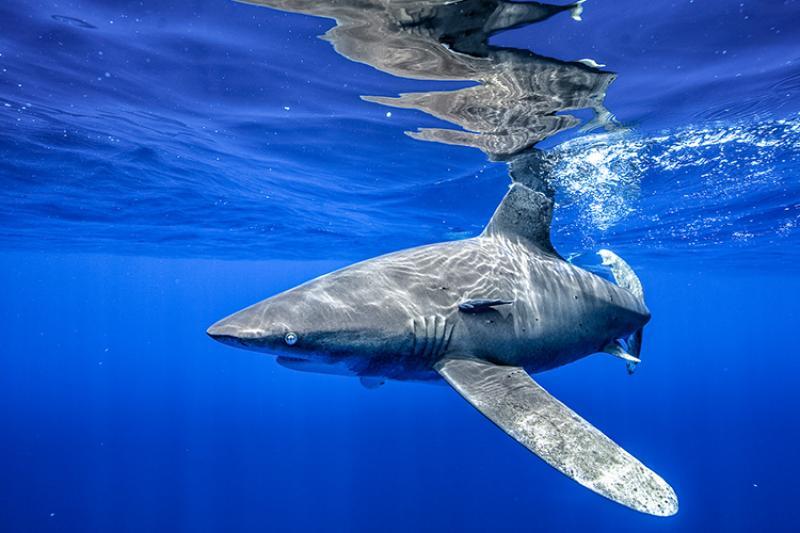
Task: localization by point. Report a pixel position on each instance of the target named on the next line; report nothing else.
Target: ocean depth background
(165, 164)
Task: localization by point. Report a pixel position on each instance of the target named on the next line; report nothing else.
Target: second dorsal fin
(525, 214)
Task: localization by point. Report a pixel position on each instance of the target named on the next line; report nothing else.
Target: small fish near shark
(483, 314)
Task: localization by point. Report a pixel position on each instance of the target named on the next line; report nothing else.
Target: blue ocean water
(165, 164)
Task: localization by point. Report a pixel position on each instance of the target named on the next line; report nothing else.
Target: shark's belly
(535, 348)
(538, 333)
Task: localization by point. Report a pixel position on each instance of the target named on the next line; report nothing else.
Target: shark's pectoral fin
(480, 305)
(524, 410)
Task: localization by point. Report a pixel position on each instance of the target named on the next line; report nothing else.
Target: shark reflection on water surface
(514, 103)
(482, 313)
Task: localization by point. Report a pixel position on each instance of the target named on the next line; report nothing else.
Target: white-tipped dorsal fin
(524, 214)
(519, 406)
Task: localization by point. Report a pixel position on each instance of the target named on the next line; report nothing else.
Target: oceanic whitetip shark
(483, 314)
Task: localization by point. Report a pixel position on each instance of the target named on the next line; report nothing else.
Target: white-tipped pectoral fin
(523, 409)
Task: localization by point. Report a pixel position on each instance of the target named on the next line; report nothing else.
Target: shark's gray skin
(482, 313)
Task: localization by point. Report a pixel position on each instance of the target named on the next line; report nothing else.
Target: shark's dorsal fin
(525, 214)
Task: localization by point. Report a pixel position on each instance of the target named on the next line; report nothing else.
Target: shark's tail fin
(630, 347)
(623, 273)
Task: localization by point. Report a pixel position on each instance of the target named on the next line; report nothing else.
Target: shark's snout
(219, 330)
(262, 327)
(225, 334)
(234, 330)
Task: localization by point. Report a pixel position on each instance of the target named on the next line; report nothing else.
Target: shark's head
(274, 325)
(327, 320)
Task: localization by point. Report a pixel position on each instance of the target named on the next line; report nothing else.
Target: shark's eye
(290, 338)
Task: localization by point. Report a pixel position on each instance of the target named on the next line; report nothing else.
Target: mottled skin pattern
(395, 316)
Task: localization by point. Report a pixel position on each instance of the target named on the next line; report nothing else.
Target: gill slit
(431, 336)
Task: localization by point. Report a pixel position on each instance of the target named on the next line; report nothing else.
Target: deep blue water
(165, 164)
